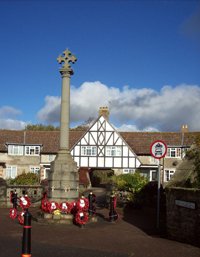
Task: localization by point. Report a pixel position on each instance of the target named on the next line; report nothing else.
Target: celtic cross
(66, 59)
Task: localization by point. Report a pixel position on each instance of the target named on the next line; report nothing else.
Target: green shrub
(25, 179)
(130, 182)
(129, 187)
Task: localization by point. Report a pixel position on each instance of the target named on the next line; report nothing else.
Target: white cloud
(51, 110)
(6, 111)
(8, 118)
(12, 124)
(140, 109)
(129, 128)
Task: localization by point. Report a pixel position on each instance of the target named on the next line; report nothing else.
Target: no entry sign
(158, 149)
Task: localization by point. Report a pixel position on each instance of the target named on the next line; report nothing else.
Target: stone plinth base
(67, 219)
(58, 219)
(63, 179)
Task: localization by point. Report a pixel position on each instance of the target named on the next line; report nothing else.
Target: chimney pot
(184, 128)
(104, 111)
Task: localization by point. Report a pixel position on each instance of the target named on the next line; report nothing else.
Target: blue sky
(139, 58)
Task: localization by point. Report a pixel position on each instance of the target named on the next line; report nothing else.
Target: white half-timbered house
(103, 147)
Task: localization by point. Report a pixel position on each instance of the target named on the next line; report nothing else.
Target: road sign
(158, 149)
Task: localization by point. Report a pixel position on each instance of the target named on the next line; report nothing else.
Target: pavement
(132, 235)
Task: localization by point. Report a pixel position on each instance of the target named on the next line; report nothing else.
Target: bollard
(26, 240)
(91, 208)
(14, 199)
(113, 214)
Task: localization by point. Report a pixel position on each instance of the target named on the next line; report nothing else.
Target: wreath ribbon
(24, 202)
(52, 206)
(82, 204)
(45, 205)
(81, 217)
(13, 213)
(66, 207)
(21, 218)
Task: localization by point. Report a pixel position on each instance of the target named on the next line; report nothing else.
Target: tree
(194, 155)
(41, 127)
(188, 171)
(85, 125)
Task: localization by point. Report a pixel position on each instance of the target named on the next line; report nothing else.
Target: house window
(113, 151)
(15, 149)
(89, 150)
(169, 174)
(34, 169)
(46, 172)
(174, 152)
(11, 172)
(126, 171)
(153, 175)
(32, 150)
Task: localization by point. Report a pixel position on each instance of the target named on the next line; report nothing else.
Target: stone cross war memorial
(63, 179)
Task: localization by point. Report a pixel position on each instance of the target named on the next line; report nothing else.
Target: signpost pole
(158, 150)
(158, 197)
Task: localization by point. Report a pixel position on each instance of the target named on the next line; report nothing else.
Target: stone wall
(3, 192)
(183, 215)
(35, 193)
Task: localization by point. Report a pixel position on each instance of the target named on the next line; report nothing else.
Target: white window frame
(113, 150)
(46, 172)
(168, 174)
(15, 149)
(176, 151)
(151, 175)
(88, 150)
(34, 169)
(32, 150)
(127, 171)
(11, 171)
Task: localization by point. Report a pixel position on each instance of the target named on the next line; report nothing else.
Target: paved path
(132, 235)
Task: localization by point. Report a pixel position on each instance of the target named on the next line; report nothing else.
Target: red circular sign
(158, 149)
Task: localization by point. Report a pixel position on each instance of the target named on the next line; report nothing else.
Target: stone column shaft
(65, 111)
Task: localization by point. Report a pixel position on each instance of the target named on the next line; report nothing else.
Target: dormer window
(32, 150)
(173, 152)
(15, 149)
(20, 149)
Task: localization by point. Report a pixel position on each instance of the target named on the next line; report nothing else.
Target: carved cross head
(66, 59)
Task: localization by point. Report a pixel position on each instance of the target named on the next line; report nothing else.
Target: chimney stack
(103, 111)
(184, 128)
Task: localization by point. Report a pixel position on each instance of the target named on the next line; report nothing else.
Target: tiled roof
(48, 139)
(139, 141)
